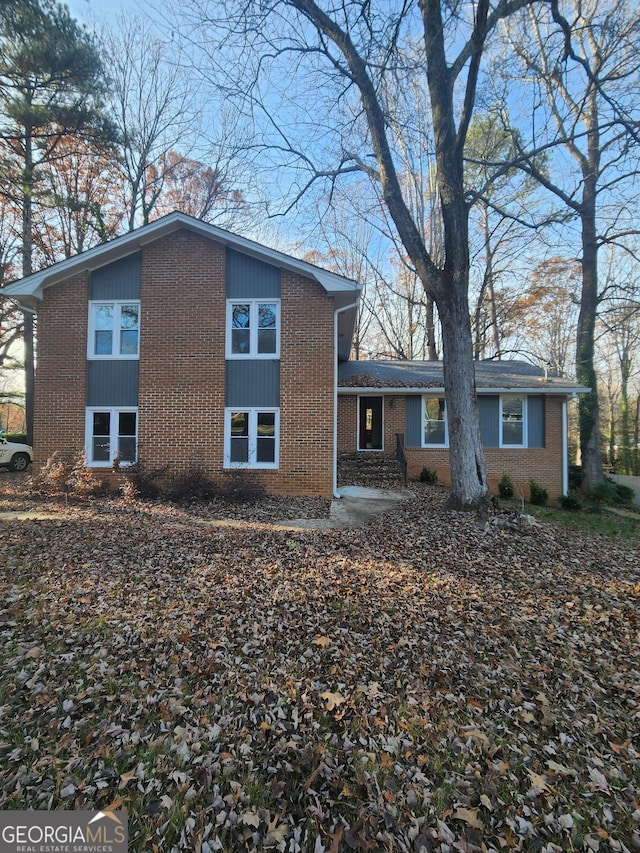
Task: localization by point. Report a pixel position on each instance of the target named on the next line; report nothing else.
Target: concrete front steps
(370, 469)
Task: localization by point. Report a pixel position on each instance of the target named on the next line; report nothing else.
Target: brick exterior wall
(544, 465)
(60, 384)
(306, 389)
(182, 347)
(182, 369)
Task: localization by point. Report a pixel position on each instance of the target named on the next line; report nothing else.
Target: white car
(14, 456)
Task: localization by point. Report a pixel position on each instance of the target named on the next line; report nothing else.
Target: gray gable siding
(249, 278)
(251, 383)
(120, 280)
(112, 382)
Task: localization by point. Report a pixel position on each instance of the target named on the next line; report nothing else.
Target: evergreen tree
(51, 87)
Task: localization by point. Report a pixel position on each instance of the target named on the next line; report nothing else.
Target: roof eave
(439, 389)
(128, 244)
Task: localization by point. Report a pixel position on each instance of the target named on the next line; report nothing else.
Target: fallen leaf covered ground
(422, 683)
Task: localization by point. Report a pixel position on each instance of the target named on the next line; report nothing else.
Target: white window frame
(252, 437)
(253, 328)
(425, 398)
(525, 440)
(113, 436)
(118, 305)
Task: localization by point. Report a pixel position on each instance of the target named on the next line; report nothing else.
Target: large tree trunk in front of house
(626, 458)
(588, 406)
(450, 285)
(447, 281)
(27, 269)
(467, 465)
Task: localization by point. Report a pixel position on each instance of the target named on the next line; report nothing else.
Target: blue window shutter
(413, 426)
(489, 409)
(535, 421)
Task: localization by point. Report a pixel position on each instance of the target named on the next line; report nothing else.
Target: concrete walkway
(356, 506)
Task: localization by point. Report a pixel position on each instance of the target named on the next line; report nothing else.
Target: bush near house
(608, 491)
(538, 495)
(506, 488)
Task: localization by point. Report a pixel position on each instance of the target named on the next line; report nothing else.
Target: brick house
(180, 335)
(523, 418)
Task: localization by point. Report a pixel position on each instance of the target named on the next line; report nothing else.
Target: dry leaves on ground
(422, 683)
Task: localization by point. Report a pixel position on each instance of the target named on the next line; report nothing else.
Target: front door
(370, 423)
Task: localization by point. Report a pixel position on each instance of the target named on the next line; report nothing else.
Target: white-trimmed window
(435, 433)
(251, 438)
(114, 329)
(111, 434)
(253, 328)
(513, 421)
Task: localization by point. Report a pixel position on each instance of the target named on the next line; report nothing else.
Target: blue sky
(85, 10)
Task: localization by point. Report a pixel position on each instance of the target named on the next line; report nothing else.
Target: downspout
(565, 449)
(335, 392)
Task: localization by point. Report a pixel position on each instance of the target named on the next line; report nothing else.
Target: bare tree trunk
(27, 269)
(636, 439)
(588, 406)
(625, 418)
(430, 330)
(467, 463)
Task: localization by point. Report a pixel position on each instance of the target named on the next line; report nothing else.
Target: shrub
(190, 487)
(428, 476)
(240, 487)
(539, 496)
(53, 475)
(17, 437)
(625, 494)
(609, 492)
(605, 491)
(506, 487)
(82, 481)
(70, 477)
(141, 482)
(575, 476)
(571, 502)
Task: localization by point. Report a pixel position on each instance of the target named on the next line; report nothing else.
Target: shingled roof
(491, 377)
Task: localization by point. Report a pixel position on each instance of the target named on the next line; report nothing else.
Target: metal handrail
(401, 456)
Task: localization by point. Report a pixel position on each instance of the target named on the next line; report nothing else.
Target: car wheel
(19, 462)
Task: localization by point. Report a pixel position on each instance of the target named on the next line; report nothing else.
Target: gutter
(337, 311)
(439, 389)
(565, 449)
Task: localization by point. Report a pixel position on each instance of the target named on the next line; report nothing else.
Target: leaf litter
(421, 683)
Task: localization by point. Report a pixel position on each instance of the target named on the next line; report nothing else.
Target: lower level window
(251, 438)
(435, 422)
(111, 434)
(513, 417)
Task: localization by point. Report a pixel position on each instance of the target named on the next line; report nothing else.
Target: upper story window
(513, 421)
(114, 329)
(253, 328)
(435, 422)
